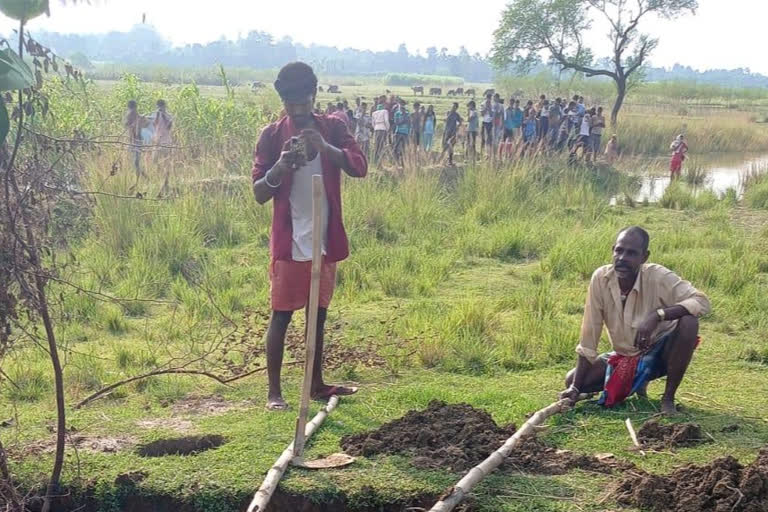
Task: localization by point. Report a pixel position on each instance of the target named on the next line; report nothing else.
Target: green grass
(472, 288)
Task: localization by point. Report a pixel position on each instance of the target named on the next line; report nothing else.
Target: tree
(556, 27)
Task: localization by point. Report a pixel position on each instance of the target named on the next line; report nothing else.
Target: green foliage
(23, 10)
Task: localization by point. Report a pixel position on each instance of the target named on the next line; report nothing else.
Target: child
(612, 150)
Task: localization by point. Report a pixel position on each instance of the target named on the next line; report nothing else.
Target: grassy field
(464, 284)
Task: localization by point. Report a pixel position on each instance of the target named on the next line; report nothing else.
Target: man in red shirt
(289, 152)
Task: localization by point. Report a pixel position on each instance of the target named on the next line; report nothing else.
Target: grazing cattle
(451, 93)
(470, 92)
(320, 89)
(435, 91)
(489, 91)
(334, 89)
(460, 91)
(418, 90)
(257, 85)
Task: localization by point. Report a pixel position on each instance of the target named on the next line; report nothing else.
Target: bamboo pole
(268, 487)
(458, 492)
(633, 436)
(318, 196)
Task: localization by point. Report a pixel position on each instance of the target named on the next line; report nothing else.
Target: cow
(460, 91)
(451, 93)
(418, 90)
(334, 89)
(470, 92)
(257, 85)
(320, 89)
(435, 91)
(489, 91)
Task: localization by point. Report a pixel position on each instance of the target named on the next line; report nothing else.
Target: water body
(723, 171)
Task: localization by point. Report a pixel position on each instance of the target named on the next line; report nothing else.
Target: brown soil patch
(177, 424)
(95, 444)
(721, 486)
(656, 435)
(191, 445)
(456, 437)
(209, 405)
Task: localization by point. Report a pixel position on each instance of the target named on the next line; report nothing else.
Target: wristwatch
(661, 314)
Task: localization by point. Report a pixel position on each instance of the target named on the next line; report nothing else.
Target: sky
(723, 33)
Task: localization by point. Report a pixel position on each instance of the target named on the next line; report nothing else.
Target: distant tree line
(144, 45)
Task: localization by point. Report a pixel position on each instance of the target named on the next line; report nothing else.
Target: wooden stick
(633, 435)
(318, 196)
(458, 492)
(268, 487)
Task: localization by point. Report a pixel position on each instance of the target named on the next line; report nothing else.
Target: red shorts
(676, 164)
(290, 282)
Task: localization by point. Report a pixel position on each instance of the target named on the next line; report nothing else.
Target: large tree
(533, 29)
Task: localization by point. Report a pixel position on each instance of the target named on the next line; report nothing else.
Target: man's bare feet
(276, 403)
(668, 407)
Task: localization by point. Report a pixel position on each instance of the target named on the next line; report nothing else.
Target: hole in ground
(189, 445)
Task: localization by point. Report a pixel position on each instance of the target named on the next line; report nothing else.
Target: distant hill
(144, 45)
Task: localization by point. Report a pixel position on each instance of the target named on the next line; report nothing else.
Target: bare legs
(677, 355)
(278, 326)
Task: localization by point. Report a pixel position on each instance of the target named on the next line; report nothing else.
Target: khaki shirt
(656, 287)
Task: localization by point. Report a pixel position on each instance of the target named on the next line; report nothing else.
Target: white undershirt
(301, 211)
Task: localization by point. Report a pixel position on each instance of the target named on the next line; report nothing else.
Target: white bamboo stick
(458, 492)
(268, 487)
(318, 197)
(633, 435)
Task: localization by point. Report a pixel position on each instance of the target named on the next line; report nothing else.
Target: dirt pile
(456, 437)
(721, 486)
(655, 435)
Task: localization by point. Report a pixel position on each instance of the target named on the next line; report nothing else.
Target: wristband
(266, 180)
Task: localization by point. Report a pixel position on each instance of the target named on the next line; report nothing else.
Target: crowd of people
(547, 124)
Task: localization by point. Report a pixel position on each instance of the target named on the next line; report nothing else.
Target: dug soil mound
(655, 435)
(722, 486)
(456, 437)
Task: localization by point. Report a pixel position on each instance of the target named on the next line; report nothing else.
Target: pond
(720, 171)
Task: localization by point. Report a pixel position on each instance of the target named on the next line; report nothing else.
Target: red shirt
(266, 155)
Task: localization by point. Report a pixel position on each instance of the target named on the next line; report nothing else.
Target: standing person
(498, 122)
(134, 123)
(529, 125)
(417, 124)
(402, 131)
(163, 123)
(340, 114)
(473, 127)
(544, 120)
(652, 319)
(555, 116)
(330, 109)
(486, 113)
(452, 123)
(598, 124)
(283, 173)
(358, 106)
(430, 124)
(350, 116)
(380, 120)
(363, 127)
(612, 150)
(584, 140)
(679, 149)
